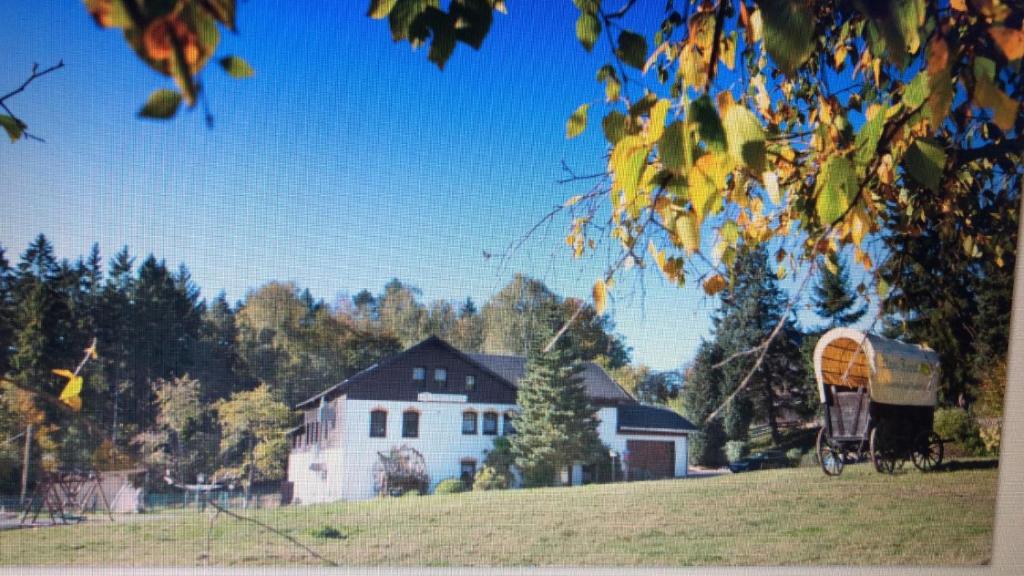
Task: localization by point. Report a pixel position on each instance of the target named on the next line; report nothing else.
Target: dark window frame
(379, 429)
(470, 382)
(483, 425)
(415, 432)
(423, 376)
(476, 427)
(467, 479)
(508, 428)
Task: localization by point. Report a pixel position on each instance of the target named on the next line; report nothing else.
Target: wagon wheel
(830, 458)
(883, 458)
(927, 455)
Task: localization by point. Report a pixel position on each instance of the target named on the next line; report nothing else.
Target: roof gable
(391, 379)
(598, 384)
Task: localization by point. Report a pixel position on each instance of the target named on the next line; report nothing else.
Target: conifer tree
(748, 315)
(702, 394)
(556, 425)
(832, 296)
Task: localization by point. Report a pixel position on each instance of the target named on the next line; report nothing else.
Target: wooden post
(25, 462)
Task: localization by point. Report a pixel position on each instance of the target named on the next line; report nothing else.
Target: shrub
(706, 446)
(809, 459)
(794, 455)
(450, 486)
(736, 449)
(488, 478)
(326, 532)
(953, 424)
(958, 425)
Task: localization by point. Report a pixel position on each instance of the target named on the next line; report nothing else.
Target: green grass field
(793, 516)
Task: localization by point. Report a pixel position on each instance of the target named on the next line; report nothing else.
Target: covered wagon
(878, 397)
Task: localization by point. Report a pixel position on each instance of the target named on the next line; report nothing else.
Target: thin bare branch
(36, 74)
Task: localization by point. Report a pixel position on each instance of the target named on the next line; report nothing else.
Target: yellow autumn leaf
(688, 232)
(706, 179)
(600, 293)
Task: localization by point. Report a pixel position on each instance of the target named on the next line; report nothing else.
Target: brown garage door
(651, 459)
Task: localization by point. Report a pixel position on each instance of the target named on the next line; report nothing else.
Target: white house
(449, 406)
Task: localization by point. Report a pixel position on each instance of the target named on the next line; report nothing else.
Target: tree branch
(36, 73)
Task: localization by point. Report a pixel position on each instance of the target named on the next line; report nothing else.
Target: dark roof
(645, 417)
(598, 383)
(368, 373)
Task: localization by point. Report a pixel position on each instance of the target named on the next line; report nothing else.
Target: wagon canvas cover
(894, 372)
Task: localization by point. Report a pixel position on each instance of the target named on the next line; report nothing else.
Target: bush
(957, 425)
(794, 455)
(809, 459)
(953, 424)
(326, 532)
(706, 446)
(736, 449)
(450, 486)
(488, 478)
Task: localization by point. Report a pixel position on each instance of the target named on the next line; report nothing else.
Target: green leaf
(614, 126)
(632, 49)
(836, 188)
(868, 137)
(672, 148)
(745, 138)
(12, 126)
(627, 162)
(472, 20)
(588, 28)
(897, 23)
(788, 32)
(709, 127)
(925, 161)
(402, 19)
(236, 67)
(917, 91)
(380, 8)
(656, 126)
(222, 10)
(162, 104)
(577, 122)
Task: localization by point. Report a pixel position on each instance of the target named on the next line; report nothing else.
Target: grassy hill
(794, 516)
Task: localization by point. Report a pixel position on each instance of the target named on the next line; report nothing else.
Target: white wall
(349, 463)
(440, 440)
(607, 430)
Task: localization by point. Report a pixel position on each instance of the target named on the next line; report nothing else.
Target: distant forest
(153, 325)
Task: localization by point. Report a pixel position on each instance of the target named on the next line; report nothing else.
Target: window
(378, 424)
(490, 423)
(469, 422)
(440, 376)
(509, 427)
(467, 470)
(411, 424)
(470, 383)
(419, 374)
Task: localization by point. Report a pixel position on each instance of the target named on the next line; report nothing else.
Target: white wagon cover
(894, 372)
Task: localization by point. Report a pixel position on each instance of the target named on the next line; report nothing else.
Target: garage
(651, 459)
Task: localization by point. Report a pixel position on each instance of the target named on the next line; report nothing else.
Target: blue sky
(346, 161)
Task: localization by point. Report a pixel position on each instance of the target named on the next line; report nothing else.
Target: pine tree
(702, 394)
(748, 315)
(556, 425)
(6, 312)
(832, 296)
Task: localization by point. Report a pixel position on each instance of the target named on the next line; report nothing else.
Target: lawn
(793, 516)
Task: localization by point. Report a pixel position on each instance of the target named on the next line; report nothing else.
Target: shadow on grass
(957, 465)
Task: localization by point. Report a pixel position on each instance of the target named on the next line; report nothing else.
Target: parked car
(760, 461)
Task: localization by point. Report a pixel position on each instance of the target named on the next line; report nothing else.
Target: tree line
(175, 369)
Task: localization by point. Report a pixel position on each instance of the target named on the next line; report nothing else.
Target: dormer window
(470, 383)
(440, 376)
(419, 374)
